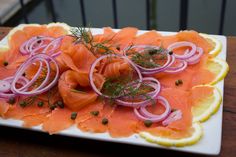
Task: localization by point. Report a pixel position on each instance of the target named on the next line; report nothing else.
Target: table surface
(24, 143)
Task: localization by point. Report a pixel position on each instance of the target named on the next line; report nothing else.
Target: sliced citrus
(206, 100)
(217, 45)
(196, 134)
(219, 67)
(22, 26)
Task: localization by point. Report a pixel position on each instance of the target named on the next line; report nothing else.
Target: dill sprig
(150, 57)
(85, 37)
(122, 87)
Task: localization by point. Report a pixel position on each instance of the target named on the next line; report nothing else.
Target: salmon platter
(147, 88)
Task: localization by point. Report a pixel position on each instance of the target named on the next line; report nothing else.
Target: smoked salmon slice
(73, 97)
(122, 122)
(59, 119)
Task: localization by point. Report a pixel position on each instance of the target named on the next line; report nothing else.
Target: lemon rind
(194, 138)
(224, 71)
(217, 49)
(214, 107)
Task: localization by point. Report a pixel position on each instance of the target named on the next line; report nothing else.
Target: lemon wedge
(197, 133)
(219, 67)
(215, 42)
(206, 106)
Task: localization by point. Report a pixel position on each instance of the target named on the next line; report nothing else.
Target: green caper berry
(104, 121)
(23, 103)
(5, 63)
(11, 100)
(173, 110)
(40, 104)
(60, 104)
(178, 82)
(147, 123)
(73, 115)
(95, 113)
(52, 107)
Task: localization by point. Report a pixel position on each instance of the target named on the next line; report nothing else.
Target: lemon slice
(219, 67)
(196, 135)
(22, 26)
(209, 105)
(215, 42)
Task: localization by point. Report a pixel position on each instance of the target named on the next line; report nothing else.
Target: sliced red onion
(174, 116)
(23, 66)
(5, 86)
(195, 58)
(183, 44)
(144, 70)
(171, 62)
(143, 114)
(52, 46)
(34, 43)
(54, 55)
(108, 56)
(7, 81)
(45, 86)
(153, 94)
(182, 66)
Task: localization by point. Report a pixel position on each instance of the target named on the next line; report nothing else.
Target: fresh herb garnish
(126, 87)
(85, 37)
(149, 57)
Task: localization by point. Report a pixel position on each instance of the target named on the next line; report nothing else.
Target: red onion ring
(143, 114)
(172, 60)
(43, 87)
(107, 56)
(5, 86)
(157, 87)
(182, 66)
(183, 44)
(33, 44)
(174, 116)
(7, 81)
(52, 46)
(149, 70)
(195, 58)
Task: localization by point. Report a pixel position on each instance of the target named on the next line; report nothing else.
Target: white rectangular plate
(209, 144)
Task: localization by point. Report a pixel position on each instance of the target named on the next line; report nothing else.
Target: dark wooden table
(24, 143)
